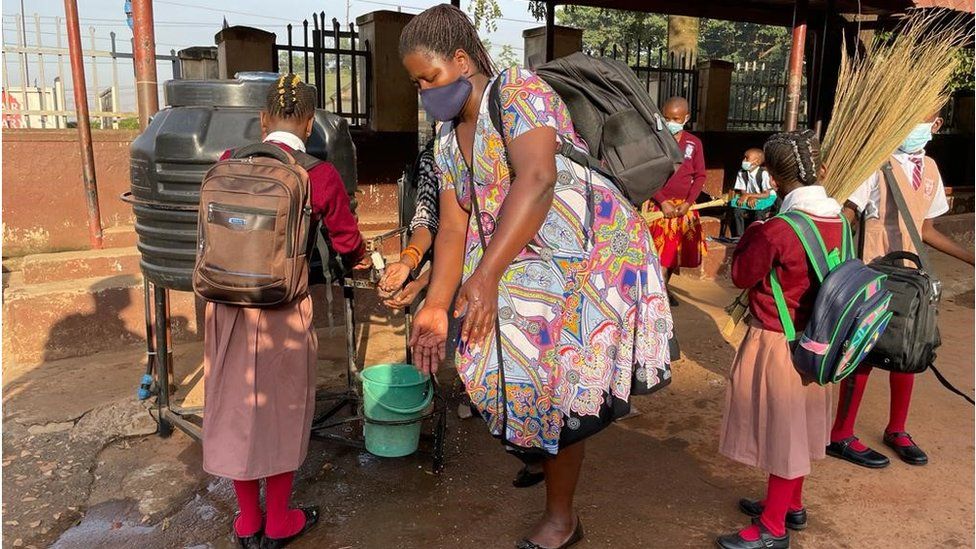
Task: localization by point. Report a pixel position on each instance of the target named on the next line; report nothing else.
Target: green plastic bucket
(394, 393)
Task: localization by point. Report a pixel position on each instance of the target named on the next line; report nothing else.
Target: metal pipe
(84, 123)
(795, 74)
(144, 51)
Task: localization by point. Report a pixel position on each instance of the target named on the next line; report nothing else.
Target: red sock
(779, 494)
(282, 521)
(750, 534)
(851, 392)
(901, 398)
(248, 494)
(797, 503)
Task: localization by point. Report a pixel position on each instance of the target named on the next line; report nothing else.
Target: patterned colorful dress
(584, 318)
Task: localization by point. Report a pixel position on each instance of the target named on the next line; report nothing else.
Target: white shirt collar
(811, 199)
(287, 138)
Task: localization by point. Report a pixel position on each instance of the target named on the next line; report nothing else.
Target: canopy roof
(769, 12)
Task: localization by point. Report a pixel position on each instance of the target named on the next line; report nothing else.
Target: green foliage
(604, 27)
(743, 42)
(485, 14)
(962, 77)
(129, 124)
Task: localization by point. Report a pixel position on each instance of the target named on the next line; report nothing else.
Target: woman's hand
(406, 296)
(394, 277)
(477, 302)
(429, 338)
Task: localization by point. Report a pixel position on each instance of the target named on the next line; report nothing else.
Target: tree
(744, 42)
(504, 57)
(604, 28)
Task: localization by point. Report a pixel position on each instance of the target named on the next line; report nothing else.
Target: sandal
(311, 519)
(574, 538)
(526, 478)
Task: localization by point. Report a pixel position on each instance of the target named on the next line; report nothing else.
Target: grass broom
(882, 93)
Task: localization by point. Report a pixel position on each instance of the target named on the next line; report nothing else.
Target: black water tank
(169, 160)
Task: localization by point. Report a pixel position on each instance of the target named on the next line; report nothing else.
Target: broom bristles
(883, 93)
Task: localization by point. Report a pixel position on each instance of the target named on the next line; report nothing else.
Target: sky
(184, 23)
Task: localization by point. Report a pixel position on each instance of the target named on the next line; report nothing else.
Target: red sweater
(773, 244)
(687, 182)
(330, 204)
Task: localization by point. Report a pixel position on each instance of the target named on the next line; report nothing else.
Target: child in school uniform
(678, 236)
(773, 421)
(260, 364)
(919, 180)
(754, 195)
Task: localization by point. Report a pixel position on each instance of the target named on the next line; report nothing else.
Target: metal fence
(757, 98)
(337, 61)
(664, 74)
(42, 96)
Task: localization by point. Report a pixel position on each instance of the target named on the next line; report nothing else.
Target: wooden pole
(144, 58)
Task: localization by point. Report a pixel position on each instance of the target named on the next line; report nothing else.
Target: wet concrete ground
(78, 473)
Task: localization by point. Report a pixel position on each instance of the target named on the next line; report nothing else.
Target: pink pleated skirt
(772, 420)
(259, 389)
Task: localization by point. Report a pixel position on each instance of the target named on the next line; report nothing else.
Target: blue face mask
(746, 165)
(920, 136)
(674, 127)
(444, 103)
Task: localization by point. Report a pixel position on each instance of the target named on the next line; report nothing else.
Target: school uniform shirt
(921, 184)
(748, 182)
(688, 180)
(772, 245)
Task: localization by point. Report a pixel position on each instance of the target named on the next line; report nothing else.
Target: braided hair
(793, 156)
(443, 30)
(289, 97)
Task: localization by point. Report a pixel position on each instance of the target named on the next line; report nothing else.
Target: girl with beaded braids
(772, 420)
(260, 364)
(563, 308)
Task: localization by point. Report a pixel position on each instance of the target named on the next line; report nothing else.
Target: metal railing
(337, 62)
(757, 99)
(41, 99)
(663, 74)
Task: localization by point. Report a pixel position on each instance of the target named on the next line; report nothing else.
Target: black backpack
(617, 119)
(909, 343)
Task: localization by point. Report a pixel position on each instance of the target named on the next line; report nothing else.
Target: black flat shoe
(575, 538)
(672, 301)
(795, 520)
(912, 455)
(250, 542)
(311, 519)
(867, 458)
(526, 478)
(765, 541)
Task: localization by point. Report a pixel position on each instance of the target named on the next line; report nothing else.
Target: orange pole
(84, 124)
(794, 80)
(144, 57)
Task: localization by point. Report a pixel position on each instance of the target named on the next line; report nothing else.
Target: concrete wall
(44, 206)
(43, 198)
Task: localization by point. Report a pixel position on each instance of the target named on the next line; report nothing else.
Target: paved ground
(80, 469)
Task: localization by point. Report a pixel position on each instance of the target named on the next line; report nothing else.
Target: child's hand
(668, 209)
(394, 277)
(364, 264)
(682, 209)
(751, 201)
(405, 297)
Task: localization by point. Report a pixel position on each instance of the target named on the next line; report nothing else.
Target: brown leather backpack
(255, 228)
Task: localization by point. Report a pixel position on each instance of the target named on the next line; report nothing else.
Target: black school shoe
(912, 455)
(311, 518)
(250, 542)
(765, 541)
(867, 458)
(526, 478)
(795, 520)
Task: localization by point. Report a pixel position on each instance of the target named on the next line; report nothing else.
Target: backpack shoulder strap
(811, 240)
(899, 198)
(495, 105)
(306, 160)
